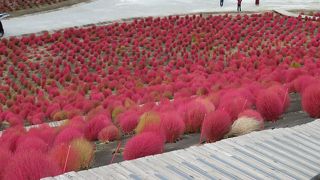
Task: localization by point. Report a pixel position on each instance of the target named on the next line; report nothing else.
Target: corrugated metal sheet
(285, 153)
(51, 124)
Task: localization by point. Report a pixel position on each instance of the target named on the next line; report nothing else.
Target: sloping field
(149, 83)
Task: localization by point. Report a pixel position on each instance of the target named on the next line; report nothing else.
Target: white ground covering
(97, 11)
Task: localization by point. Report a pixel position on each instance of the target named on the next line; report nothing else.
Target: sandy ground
(97, 11)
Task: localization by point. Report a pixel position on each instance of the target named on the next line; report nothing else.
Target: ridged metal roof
(51, 124)
(284, 153)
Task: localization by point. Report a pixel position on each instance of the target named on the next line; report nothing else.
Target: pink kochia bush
(311, 100)
(77, 122)
(215, 125)
(207, 104)
(234, 105)
(66, 157)
(283, 95)
(173, 125)
(128, 121)
(269, 105)
(109, 133)
(67, 135)
(10, 137)
(30, 165)
(144, 144)
(45, 132)
(149, 118)
(155, 128)
(95, 125)
(192, 114)
(31, 143)
(302, 82)
(5, 157)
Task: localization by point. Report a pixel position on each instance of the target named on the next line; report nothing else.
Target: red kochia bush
(233, 106)
(147, 119)
(95, 125)
(173, 126)
(67, 135)
(128, 121)
(293, 73)
(45, 132)
(283, 95)
(30, 165)
(10, 137)
(215, 125)
(155, 128)
(269, 105)
(144, 144)
(302, 82)
(5, 156)
(66, 157)
(38, 118)
(207, 104)
(109, 133)
(78, 123)
(311, 100)
(193, 114)
(31, 143)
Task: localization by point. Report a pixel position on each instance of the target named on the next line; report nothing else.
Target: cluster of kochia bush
(42, 152)
(144, 61)
(218, 75)
(15, 5)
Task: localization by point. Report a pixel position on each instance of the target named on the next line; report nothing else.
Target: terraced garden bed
(156, 84)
